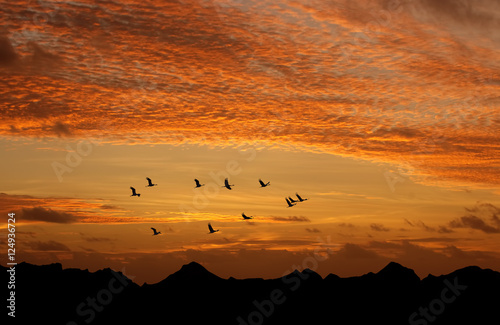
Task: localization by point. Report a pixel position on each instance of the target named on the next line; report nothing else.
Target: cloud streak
(290, 219)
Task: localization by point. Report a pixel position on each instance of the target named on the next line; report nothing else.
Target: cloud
(50, 209)
(478, 219)
(419, 223)
(47, 215)
(473, 222)
(7, 53)
(378, 227)
(346, 225)
(13, 129)
(290, 219)
(314, 230)
(272, 72)
(42, 58)
(109, 207)
(480, 14)
(350, 250)
(95, 239)
(434, 239)
(61, 129)
(47, 246)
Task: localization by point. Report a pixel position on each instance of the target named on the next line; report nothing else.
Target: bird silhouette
(198, 183)
(290, 204)
(155, 232)
(245, 217)
(292, 200)
(300, 199)
(226, 184)
(150, 183)
(262, 184)
(211, 229)
(134, 193)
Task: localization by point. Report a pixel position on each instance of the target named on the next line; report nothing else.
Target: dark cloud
(479, 218)
(378, 227)
(47, 215)
(444, 230)
(291, 219)
(7, 53)
(474, 256)
(473, 222)
(109, 207)
(347, 225)
(95, 239)
(434, 239)
(89, 250)
(355, 251)
(478, 12)
(13, 129)
(41, 57)
(26, 233)
(402, 132)
(47, 246)
(420, 224)
(61, 129)
(313, 230)
(383, 244)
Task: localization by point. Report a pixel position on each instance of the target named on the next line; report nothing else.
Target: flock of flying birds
(290, 201)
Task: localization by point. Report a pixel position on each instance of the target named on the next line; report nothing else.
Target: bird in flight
(245, 217)
(155, 232)
(262, 184)
(211, 229)
(290, 204)
(300, 199)
(134, 193)
(226, 184)
(150, 183)
(198, 183)
(292, 200)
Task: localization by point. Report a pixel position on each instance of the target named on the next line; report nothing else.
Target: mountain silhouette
(192, 295)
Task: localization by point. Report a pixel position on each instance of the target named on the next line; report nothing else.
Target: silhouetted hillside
(48, 294)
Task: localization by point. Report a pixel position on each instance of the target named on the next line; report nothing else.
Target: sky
(383, 114)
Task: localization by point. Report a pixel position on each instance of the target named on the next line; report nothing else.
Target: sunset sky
(384, 114)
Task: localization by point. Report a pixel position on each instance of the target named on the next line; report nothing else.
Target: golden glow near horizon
(384, 114)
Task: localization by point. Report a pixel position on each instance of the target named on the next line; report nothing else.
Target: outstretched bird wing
(197, 182)
(149, 181)
(133, 189)
(226, 183)
(287, 201)
(262, 183)
(210, 228)
(154, 230)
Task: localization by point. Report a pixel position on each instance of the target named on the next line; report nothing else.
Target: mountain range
(49, 294)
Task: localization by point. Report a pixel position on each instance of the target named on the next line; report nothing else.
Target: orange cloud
(353, 79)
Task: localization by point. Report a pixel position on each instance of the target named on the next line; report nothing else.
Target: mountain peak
(192, 272)
(393, 267)
(396, 270)
(194, 266)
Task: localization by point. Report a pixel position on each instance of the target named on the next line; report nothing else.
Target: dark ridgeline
(50, 295)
